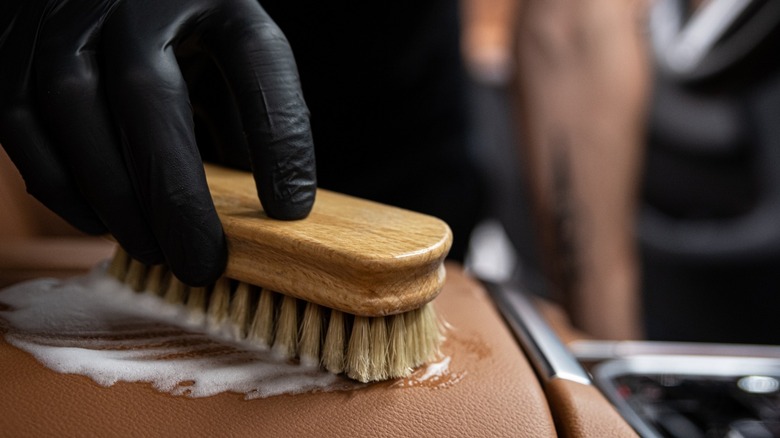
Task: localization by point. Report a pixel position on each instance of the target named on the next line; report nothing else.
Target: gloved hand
(95, 114)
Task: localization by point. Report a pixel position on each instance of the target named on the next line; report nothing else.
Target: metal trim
(548, 354)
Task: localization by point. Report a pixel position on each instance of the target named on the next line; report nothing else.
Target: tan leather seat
(34, 242)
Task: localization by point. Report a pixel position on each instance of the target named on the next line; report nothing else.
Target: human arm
(582, 83)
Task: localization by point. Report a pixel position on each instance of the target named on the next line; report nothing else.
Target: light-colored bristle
(335, 339)
(431, 331)
(196, 300)
(413, 349)
(240, 309)
(423, 334)
(378, 349)
(364, 348)
(357, 362)
(154, 280)
(219, 303)
(398, 360)
(311, 335)
(118, 266)
(136, 275)
(176, 291)
(286, 336)
(261, 331)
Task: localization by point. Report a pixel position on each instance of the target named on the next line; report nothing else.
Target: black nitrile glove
(95, 113)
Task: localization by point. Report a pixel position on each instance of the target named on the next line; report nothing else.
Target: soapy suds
(435, 375)
(97, 327)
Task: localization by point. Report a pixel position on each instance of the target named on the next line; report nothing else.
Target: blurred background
(631, 157)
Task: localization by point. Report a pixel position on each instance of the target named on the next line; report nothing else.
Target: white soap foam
(437, 369)
(435, 374)
(97, 327)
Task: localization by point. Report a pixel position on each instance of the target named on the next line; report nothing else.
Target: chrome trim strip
(600, 350)
(547, 353)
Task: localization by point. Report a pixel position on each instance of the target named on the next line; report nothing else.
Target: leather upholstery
(498, 395)
(582, 411)
(34, 242)
(21, 216)
(25, 259)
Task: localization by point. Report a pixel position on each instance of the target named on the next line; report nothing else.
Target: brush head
(364, 348)
(355, 279)
(350, 254)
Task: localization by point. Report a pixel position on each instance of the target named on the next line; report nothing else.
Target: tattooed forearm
(582, 83)
(564, 219)
(565, 223)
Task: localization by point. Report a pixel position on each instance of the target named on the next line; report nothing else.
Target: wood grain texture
(349, 254)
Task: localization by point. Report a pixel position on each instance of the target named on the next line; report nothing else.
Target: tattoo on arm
(565, 220)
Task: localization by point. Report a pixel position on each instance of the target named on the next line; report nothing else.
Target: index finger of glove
(259, 66)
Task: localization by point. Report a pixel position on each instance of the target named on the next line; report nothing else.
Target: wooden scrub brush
(348, 288)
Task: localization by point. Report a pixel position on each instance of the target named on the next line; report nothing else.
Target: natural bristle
(358, 362)
(364, 348)
(154, 279)
(261, 331)
(219, 303)
(176, 291)
(196, 301)
(398, 364)
(333, 350)
(310, 335)
(136, 276)
(378, 346)
(240, 307)
(286, 337)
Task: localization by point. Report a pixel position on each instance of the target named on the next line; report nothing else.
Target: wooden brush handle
(350, 254)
